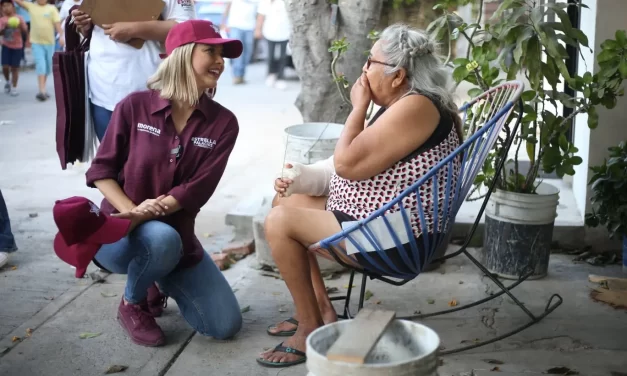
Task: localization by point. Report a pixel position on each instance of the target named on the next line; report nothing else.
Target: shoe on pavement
(41, 97)
(157, 301)
(14, 92)
(280, 84)
(4, 258)
(140, 325)
(270, 80)
(7, 87)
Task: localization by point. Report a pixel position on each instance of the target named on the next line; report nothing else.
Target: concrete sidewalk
(48, 309)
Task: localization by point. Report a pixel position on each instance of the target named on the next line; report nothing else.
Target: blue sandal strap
(289, 350)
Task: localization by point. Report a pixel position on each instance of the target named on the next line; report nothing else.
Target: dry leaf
(107, 294)
(332, 290)
(496, 369)
(245, 309)
(15, 339)
(88, 335)
(368, 295)
(29, 332)
(493, 361)
(377, 302)
(116, 369)
(276, 293)
(14, 268)
(431, 301)
(452, 303)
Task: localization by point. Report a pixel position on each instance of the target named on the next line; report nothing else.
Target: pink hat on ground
(201, 32)
(82, 230)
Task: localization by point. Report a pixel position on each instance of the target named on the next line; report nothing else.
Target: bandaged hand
(312, 180)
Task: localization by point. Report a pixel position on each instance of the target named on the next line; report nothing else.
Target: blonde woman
(158, 164)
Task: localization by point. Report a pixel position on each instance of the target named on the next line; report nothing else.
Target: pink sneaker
(140, 325)
(157, 301)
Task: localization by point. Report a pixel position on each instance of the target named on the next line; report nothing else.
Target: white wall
(599, 23)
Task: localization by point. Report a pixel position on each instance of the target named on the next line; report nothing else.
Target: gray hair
(416, 51)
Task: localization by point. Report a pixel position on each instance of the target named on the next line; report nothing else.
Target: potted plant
(516, 42)
(609, 196)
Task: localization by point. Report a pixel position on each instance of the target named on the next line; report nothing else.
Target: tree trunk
(314, 27)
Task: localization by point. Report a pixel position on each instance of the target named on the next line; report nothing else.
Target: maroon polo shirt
(138, 150)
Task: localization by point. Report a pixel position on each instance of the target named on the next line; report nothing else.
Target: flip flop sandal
(284, 333)
(287, 350)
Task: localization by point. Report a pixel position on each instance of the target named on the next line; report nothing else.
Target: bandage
(312, 180)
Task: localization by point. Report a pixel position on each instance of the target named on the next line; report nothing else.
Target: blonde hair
(175, 78)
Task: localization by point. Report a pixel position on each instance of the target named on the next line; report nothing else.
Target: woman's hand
(120, 31)
(136, 218)
(360, 93)
(154, 207)
(82, 21)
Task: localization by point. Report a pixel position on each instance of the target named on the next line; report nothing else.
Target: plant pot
(309, 143)
(519, 232)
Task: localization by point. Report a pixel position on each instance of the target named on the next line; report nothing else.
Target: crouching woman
(159, 162)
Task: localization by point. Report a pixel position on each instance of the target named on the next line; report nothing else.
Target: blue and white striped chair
(488, 119)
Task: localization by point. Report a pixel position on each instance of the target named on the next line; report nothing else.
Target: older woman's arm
(363, 153)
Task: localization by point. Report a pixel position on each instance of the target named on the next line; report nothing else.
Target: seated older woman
(415, 129)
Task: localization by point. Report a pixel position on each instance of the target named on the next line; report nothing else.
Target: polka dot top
(361, 198)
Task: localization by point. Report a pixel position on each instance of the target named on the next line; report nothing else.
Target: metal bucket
(405, 349)
(309, 143)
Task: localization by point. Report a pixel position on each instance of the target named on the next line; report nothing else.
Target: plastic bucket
(519, 232)
(309, 143)
(405, 349)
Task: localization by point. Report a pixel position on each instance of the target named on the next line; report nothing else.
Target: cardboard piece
(104, 12)
(357, 341)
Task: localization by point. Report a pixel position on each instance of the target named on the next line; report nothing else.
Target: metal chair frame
(474, 151)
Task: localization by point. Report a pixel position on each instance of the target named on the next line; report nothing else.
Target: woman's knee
(276, 221)
(161, 241)
(223, 326)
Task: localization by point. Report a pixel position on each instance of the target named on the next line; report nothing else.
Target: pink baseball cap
(201, 32)
(82, 230)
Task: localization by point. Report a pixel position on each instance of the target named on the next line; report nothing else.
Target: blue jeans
(101, 117)
(150, 254)
(248, 40)
(7, 241)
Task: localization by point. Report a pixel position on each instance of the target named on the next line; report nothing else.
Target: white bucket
(405, 349)
(311, 142)
(525, 208)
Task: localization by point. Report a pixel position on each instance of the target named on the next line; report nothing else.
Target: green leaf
(593, 118)
(610, 44)
(621, 38)
(576, 161)
(580, 36)
(531, 151)
(474, 92)
(461, 61)
(537, 15)
(460, 73)
(528, 95)
(563, 141)
(623, 69)
(605, 55)
(505, 5)
(88, 335)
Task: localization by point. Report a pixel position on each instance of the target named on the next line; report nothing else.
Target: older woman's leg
(324, 303)
(205, 299)
(147, 254)
(289, 230)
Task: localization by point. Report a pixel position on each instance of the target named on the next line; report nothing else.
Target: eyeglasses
(370, 61)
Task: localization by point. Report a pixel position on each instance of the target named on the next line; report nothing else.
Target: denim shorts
(42, 54)
(11, 57)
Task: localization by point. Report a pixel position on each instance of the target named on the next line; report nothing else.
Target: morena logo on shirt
(148, 129)
(203, 142)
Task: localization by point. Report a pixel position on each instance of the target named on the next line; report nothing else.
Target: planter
(519, 232)
(309, 143)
